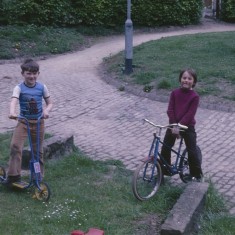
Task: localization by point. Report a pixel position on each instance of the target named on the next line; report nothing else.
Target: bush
(166, 12)
(38, 12)
(228, 10)
(108, 13)
(99, 12)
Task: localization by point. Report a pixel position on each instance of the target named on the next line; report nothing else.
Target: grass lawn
(35, 41)
(156, 64)
(87, 193)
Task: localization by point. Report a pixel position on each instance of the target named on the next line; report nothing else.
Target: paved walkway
(106, 123)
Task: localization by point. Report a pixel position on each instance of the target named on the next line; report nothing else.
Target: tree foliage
(228, 10)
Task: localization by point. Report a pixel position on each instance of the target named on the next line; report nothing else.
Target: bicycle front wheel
(146, 180)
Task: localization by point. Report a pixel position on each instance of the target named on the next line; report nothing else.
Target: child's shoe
(188, 177)
(165, 171)
(11, 179)
(199, 178)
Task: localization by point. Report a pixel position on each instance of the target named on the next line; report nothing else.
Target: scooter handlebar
(24, 118)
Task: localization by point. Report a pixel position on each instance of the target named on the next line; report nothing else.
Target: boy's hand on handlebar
(12, 116)
(45, 114)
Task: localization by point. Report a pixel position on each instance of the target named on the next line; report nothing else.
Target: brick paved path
(106, 123)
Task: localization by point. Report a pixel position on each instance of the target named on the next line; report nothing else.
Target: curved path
(106, 123)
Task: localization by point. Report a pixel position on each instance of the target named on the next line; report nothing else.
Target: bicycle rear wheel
(184, 165)
(146, 180)
(2, 174)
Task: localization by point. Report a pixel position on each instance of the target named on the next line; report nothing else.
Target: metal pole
(217, 9)
(128, 40)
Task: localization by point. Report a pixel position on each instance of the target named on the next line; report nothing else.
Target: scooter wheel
(2, 174)
(44, 193)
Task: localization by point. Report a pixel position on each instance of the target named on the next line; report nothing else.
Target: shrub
(164, 84)
(39, 12)
(100, 12)
(228, 10)
(166, 12)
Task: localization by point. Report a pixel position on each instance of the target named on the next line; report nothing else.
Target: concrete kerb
(183, 218)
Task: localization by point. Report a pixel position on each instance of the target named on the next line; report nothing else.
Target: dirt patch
(148, 225)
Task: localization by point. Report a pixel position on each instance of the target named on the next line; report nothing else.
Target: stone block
(53, 147)
(183, 217)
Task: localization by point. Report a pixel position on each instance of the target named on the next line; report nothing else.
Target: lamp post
(128, 40)
(218, 9)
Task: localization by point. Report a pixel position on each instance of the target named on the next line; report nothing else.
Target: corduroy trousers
(20, 134)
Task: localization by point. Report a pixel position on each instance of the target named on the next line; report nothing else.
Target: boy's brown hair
(29, 65)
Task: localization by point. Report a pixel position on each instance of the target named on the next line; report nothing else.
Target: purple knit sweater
(183, 106)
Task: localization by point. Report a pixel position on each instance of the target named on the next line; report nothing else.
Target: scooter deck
(20, 184)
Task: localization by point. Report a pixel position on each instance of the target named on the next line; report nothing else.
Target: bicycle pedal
(20, 184)
(147, 179)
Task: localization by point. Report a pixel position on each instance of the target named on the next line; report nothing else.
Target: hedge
(100, 12)
(228, 10)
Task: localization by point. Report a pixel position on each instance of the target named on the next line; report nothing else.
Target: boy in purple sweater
(182, 108)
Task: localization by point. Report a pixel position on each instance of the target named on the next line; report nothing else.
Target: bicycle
(148, 176)
(42, 191)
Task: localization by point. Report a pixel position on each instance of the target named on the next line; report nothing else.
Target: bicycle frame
(156, 154)
(155, 149)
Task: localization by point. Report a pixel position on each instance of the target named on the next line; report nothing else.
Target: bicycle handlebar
(166, 126)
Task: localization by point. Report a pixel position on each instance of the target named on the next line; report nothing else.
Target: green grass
(5, 146)
(87, 193)
(22, 41)
(215, 220)
(32, 41)
(159, 62)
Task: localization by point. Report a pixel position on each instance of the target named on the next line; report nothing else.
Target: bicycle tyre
(2, 173)
(184, 164)
(144, 189)
(44, 194)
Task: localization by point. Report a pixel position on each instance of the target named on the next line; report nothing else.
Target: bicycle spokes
(146, 180)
